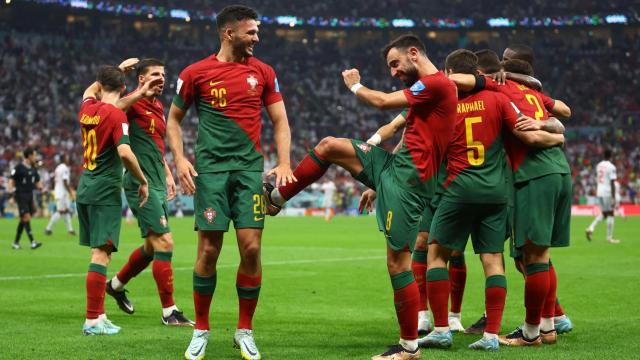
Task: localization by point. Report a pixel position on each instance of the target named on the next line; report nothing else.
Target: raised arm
(387, 131)
(145, 90)
(526, 80)
(93, 91)
(282, 137)
(377, 99)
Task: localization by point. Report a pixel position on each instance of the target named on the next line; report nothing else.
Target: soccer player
(606, 193)
(329, 189)
(404, 180)
(229, 89)
(543, 208)
(64, 194)
(146, 135)
(105, 140)
(457, 265)
(23, 181)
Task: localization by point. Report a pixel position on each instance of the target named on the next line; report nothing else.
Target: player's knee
(326, 146)
(251, 252)
(209, 253)
(100, 256)
(162, 242)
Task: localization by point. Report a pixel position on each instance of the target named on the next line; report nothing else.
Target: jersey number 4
(90, 145)
(475, 149)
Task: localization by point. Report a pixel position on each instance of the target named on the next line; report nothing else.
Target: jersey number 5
(90, 145)
(475, 149)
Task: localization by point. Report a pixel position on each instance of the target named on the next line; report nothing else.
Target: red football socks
(203, 289)
(420, 274)
(248, 288)
(549, 308)
(138, 261)
(536, 288)
(310, 169)
(163, 274)
(495, 294)
(438, 288)
(458, 278)
(406, 299)
(96, 285)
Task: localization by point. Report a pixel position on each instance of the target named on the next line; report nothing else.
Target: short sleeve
(547, 101)
(65, 174)
(613, 175)
(404, 113)
(271, 93)
(87, 102)
(120, 133)
(14, 174)
(37, 177)
(509, 111)
(426, 90)
(185, 92)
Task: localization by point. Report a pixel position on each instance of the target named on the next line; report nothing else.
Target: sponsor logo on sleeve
(276, 85)
(125, 129)
(417, 88)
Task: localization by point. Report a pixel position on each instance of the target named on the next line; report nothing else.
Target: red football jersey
(149, 115)
(430, 122)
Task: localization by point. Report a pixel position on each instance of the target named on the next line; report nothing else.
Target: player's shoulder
(259, 64)
(200, 65)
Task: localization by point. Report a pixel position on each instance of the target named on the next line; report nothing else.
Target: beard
(241, 48)
(412, 76)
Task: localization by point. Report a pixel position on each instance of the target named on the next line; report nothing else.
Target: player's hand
(72, 195)
(171, 188)
(149, 88)
(129, 64)
(366, 201)
(351, 77)
(186, 172)
(283, 175)
(528, 124)
(143, 194)
(500, 77)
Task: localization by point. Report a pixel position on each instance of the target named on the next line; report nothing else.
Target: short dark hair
(28, 152)
(488, 61)
(233, 13)
(607, 153)
(110, 77)
(522, 52)
(462, 61)
(518, 67)
(404, 42)
(143, 65)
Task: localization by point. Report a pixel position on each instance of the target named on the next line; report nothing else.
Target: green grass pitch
(325, 295)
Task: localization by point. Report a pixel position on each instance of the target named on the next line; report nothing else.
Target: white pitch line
(268, 263)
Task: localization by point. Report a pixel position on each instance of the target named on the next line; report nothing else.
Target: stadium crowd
(42, 75)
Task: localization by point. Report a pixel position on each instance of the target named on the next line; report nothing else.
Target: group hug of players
(478, 158)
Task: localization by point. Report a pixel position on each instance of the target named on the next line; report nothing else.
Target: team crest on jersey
(163, 221)
(364, 147)
(209, 214)
(253, 82)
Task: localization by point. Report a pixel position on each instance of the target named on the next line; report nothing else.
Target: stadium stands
(596, 71)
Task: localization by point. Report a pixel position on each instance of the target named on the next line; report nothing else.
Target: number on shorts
(389, 220)
(259, 207)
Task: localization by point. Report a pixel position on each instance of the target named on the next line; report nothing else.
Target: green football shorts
(223, 197)
(154, 216)
(427, 216)
(543, 211)
(100, 225)
(398, 211)
(454, 222)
